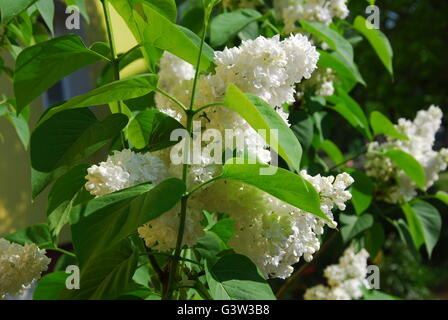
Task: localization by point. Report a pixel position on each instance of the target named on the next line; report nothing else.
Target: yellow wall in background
(124, 40)
(17, 211)
(16, 208)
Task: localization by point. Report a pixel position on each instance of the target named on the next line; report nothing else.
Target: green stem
(270, 25)
(176, 257)
(137, 46)
(183, 207)
(114, 61)
(63, 251)
(155, 266)
(208, 106)
(110, 36)
(199, 186)
(176, 101)
(196, 75)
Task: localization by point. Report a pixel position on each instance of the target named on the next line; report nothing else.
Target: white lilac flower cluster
(345, 280)
(272, 233)
(310, 10)
(124, 169)
(321, 82)
(266, 67)
(395, 184)
(20, 266)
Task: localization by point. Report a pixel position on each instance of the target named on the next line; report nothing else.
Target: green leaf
(354, 225)
(297, 191)
(20, 124)
(374, 239)
(235, 277)
(351, 111)
(227, 25)
(50, 286)
(157, 31)
(46, 10)
(166, 8)
(125, 59)
(137, 25)
(442, 196)
(424, 222)
(343, 67)
(406, 235)
(333, 151)
(378, 295)
(362, 190)
(334, 40)
(128, 88)
(71, 136)
(302, 125)
(39, 67)
(209, 4)
(249, 32)
(38, 234)
(63, 196)
(382, 125)
(102, 222)
(409, 165)
(64, 261)
(39, 181)
(65, 140)
(206, 50)
(101, 48)
(137, 292)
(378, 40)
(152, 129)
(224, 229)
(106, 275)
(261, 115)
(209, 246)
(10, 8)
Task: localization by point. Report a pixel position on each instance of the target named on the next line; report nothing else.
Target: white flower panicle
(266, 67)
(175, 77)
(321, 82)
(161, 234)
(345, 280)
(20, 266)
(124, 169)
(310, 10)
(272, 233)
(421, 133)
